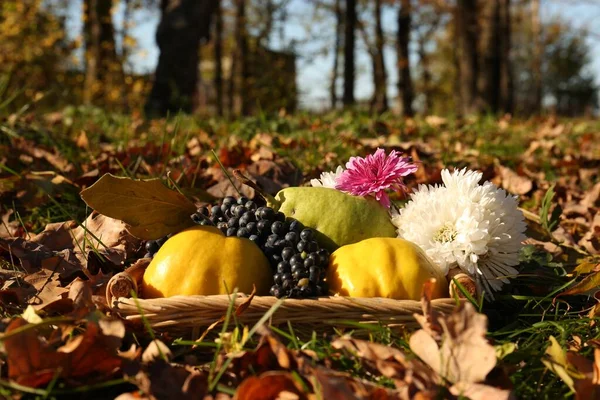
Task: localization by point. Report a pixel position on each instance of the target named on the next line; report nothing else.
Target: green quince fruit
(336, 217)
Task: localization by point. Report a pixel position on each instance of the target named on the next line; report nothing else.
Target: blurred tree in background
(405, 86)
(379, 100)
(183, 25)
(564, 73)
(33, 48)
(103, 66)
(238, 57)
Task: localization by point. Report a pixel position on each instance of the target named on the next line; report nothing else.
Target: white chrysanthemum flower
(462, 223)
(328, 179)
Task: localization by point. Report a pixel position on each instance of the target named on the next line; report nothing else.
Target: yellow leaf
(585, 286)
(586, 267)
(150, 209)
(31, 316)
(504, 349)
(557, 362)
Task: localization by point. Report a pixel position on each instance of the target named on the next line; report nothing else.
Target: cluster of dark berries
(298, 263)
(152, 246)
(230, 216)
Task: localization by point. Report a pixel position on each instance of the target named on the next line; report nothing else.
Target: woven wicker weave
(180, 314)
(184, 314)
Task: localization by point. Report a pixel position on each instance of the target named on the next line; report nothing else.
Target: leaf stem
(225, 172)
(25, 328)
(271, 201)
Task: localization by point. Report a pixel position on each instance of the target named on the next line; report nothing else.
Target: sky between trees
(313, 74)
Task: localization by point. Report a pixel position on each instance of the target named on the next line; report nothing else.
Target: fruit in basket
(338, 218)
(202, 261)
(297, 260)
(383, 267)
(152, 246)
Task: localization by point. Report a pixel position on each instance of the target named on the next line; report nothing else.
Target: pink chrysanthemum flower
(375, 174)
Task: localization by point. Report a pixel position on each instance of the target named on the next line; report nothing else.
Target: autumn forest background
(444, 57)
(181, 93)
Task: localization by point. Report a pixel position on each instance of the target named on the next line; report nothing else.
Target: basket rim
(191, 312)
(245, 296)
(185, 312)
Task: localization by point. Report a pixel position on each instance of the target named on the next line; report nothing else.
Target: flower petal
(375, 174)
(477, 227)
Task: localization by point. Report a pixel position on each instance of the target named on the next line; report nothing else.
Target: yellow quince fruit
(202, 261)
(383, 267)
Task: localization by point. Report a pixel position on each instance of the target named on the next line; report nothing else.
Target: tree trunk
(218, 47)
(183, 24)
(103, 68)
(92, 49)
(339, 19)
(424, 37)
(424, 63)
(241, 38)
(466, 20)
(264, 35)
(506, 100)
(349, 44)
(457, 97)
(405, 87)
(231, 87)
(125, 51)
(489, 69)
(380, 103)
(536, 67)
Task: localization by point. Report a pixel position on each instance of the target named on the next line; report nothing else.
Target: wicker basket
(181, 314)
(191, 315)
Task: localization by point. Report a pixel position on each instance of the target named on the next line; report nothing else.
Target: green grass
(531, 333)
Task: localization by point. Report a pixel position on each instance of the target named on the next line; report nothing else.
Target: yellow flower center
(446, 233)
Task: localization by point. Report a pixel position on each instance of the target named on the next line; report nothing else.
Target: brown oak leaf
(33, 362)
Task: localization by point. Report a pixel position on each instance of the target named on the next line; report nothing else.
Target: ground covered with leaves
(537, 339)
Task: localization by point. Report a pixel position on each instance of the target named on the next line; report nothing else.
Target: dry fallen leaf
(227, 185)
(421, 173)
(30, 362)
(33, 362)
(591, 197)
(591, 240)
(576, 371)
(336, 385)
(263, 153)
(9, 228)
(407, 374)
(106, 236)
(30, 257)
(56, 160)
(465, 355)
(270, 354)
(47, 272)
(155, 350)
(50, 295)
(513, 182)
(478, 391)
(161, 380)
(80, 295)
(150, 209)
(586, 286)
(435, 121)
(556, 362)
(273, 358)
(270, 386)
(82, 141)
(429, 321)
